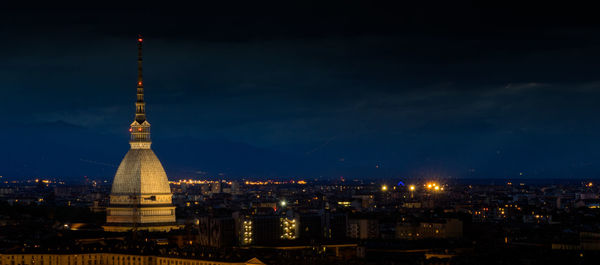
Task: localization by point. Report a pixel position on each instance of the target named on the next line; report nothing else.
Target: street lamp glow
(283, 203)
(384, 188)
(412, 187)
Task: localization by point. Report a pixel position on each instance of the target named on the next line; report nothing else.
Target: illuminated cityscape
(316, 132)
(328, 221)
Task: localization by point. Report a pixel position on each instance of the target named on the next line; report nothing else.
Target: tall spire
(140, 128)
(140, 106)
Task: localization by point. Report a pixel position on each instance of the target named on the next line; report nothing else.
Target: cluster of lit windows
(483, 213)
(538, 216)
(512, 206)
(188, 204)
(247, 228)
(344, 204)
(289, 228)
(501, 210)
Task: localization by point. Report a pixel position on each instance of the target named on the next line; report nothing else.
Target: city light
(273, 182)
(434, 186)
(193, 182)
(384, 188)
(411, 187)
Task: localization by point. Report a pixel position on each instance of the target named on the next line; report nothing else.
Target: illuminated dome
(140, 172)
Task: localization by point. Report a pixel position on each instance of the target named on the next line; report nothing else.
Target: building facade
(216, 232)
(363, 228)
(107, 259)
(447, 228)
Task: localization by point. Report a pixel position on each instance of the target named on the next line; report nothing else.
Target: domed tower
(140, 198)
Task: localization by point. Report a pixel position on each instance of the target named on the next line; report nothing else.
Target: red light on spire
(140, 83)
(140, 39)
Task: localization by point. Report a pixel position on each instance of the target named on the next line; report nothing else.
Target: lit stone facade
(107, 259)
(140, 198)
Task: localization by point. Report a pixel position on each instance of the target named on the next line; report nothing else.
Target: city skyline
(318, 132)
(367, 91)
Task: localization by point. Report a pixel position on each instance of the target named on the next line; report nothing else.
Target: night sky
(353, 89)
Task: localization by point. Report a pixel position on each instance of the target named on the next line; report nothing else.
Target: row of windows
(93, 259)
(127, 212)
